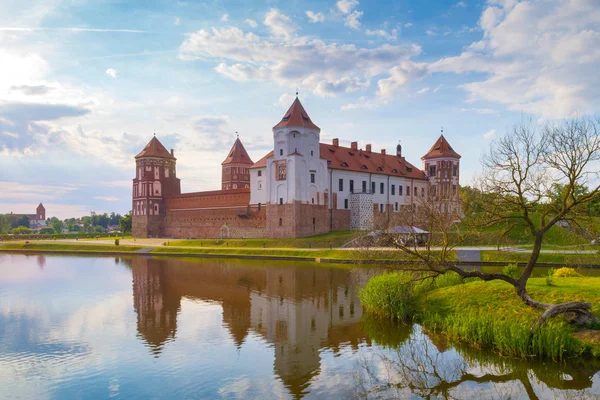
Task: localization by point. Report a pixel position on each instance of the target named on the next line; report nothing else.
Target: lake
(143, 327)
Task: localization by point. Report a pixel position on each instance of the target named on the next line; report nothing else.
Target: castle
(301, 188)
(37, 220)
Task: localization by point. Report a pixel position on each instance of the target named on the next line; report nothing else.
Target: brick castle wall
(296, 220)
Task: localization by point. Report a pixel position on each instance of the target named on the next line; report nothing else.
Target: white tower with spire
(296, 172)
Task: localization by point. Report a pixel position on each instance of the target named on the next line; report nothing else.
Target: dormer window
(395, 171)
(344, 164)
(409, 169)
(287, 117)
(379, 169)
(351, 153)
(332, 150)
(363, 167)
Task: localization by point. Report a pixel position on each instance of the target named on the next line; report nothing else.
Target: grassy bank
(333, 239)
(69, 247)
(556, 258)
(486, 315)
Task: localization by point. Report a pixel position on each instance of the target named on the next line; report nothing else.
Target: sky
(84, 84)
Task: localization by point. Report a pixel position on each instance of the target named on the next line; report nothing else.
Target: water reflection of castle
(298, 310)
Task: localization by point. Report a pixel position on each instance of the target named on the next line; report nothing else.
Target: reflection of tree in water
(425, 366)
(41, 261)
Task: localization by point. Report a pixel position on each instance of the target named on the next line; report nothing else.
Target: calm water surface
(140, 327)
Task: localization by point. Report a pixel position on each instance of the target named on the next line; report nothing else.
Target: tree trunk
(579, 312)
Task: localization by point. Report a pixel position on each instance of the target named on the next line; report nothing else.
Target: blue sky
(84, 84)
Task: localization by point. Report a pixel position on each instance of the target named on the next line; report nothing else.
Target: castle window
(344, 164)
(379, 169)
(422, 192)
(351, 186)
(259, 185)
(364, 186)
(381, 187)
(381, 208)
(281, 201)
(373, 187)
(341, 185)
(454, 170)
(280, 221)
(280, 152)
(363, 167)
(454, 190)
(312, 178)
(314, 221)
(346, 204)
(155, 209)
(395, 170)
(259, 173)
(432, 170)
(312, 153)
(312, 200)
(400, 190)
(408, 190)
(393, 190)
(396, 206)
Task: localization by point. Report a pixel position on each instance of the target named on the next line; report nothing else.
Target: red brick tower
(40, 212)
(154, 180)
(236, 168)
(442, 166)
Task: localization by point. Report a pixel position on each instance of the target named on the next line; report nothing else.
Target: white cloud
(346, 6)
(225, 18)
(460, 4)
(177, 21)
(285, 100)
(21, 191)
(363, 103)
(489, 134)
(106, 198)
(111, 72)
(408, 25)
(538, 57)
(70, 29)
(315, 17)
(325, 68)
(280, 24)
(437, 88)
(393, 35)
(423, 91)
(483, 111)
(352, 16)
(251, 22)
(430, 32)
(400, 76)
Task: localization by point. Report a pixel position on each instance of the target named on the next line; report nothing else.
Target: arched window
(280, 222)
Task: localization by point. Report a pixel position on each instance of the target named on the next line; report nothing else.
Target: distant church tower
(155, 178)
(297, 178)
(236, 168)
(442, 166)
(40, 212)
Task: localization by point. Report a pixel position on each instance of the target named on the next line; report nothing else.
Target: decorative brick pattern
(361, 211)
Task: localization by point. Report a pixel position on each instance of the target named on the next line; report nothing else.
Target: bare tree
(517, 186)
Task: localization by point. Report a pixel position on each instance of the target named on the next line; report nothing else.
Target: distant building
(37, 220)
(302, 187)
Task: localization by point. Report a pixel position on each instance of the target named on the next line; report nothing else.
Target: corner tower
(297, 177)
(156, 178)
(442, 166)
(236, 168)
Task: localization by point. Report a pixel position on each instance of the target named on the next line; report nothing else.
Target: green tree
(47, 231)
(21, 230)
(126, 223)
(21, 221)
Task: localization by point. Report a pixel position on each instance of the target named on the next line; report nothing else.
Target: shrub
(117, 242)
(566, 272)
(549, 277)
(390, 295)
(512, 270)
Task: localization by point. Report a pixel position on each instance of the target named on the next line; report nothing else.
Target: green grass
(68, 248)
(333, 238)
(557, 258)
(487, 315)
(520, 235)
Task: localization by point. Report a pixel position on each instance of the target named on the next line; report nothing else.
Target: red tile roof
(296, 116)
(237, 154)
(344, 158)
(154, 148)
(441, 148)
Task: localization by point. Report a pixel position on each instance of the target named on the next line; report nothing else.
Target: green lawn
(333, 238)
(564, 259)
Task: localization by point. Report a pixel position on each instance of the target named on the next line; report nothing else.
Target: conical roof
(441, 148)
(296, 116)
(237, 154)
(155, 148)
